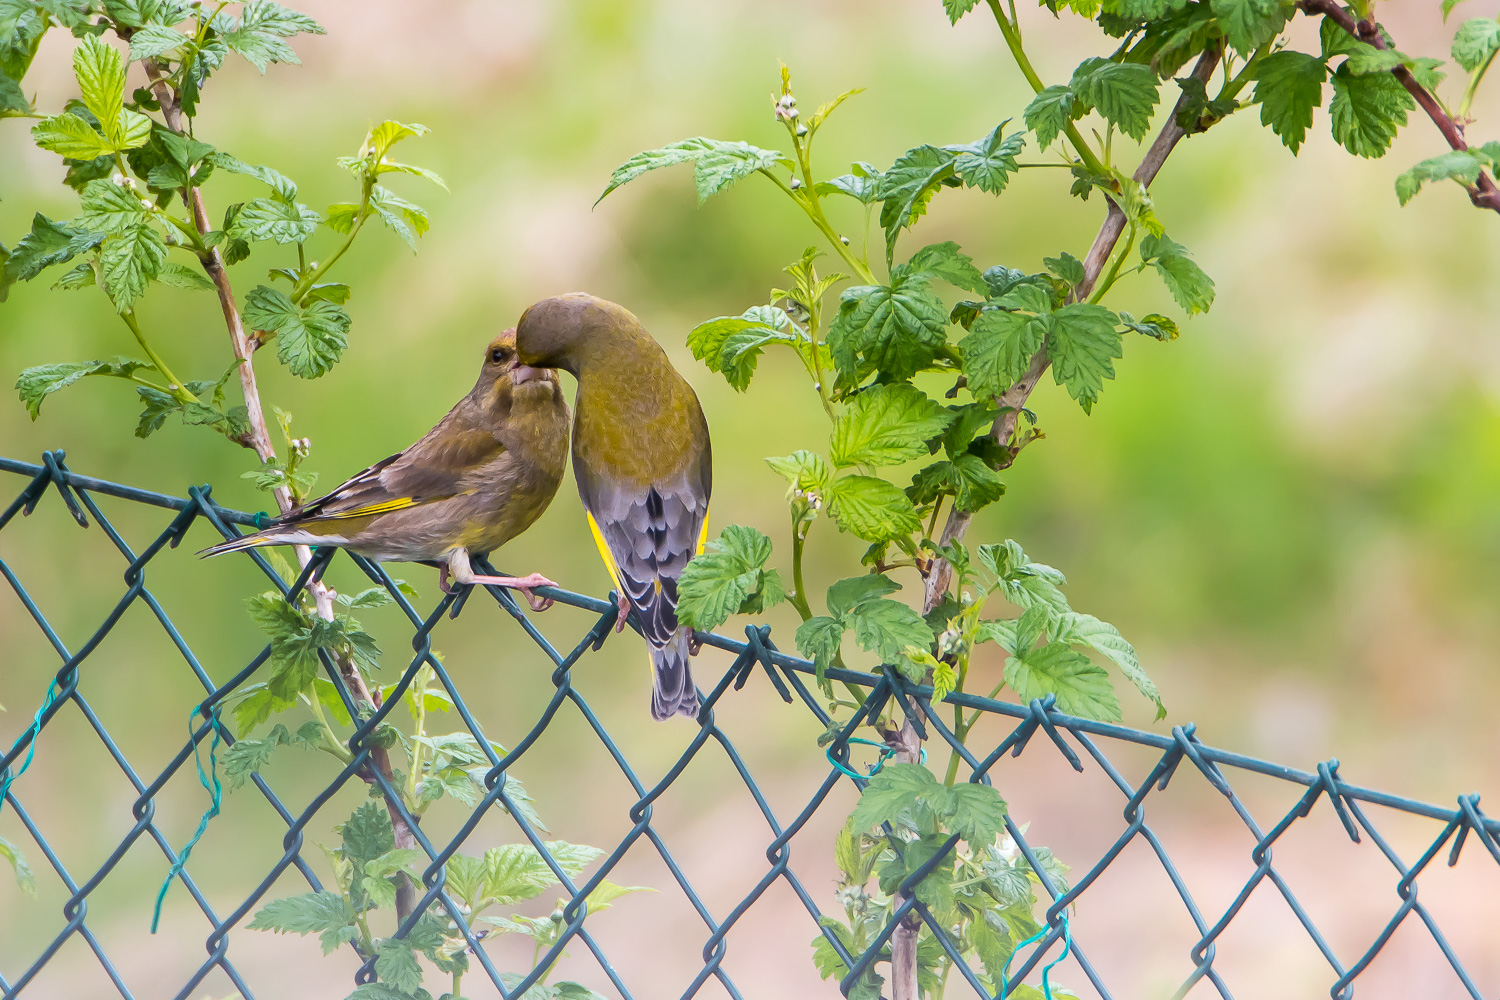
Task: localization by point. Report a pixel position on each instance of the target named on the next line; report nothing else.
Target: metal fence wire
(1082, 743)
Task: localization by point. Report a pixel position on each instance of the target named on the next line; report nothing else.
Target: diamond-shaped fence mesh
(1200, 909)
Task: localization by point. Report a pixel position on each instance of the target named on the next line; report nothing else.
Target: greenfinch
(478, 479)
(642, 461)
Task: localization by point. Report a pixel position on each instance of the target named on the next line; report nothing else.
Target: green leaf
(18, 866)
(101, 78)
(1152, 325)
(367, 833)
(1081, 344)
(805, 471)
(324, 913)
(1366, 111)
(310, 339)
(724, 577)
(896, 329)
(972, 484)
(999, 349)
(1082, 687)
(957, 9)
(872, 508)
(274, 219)
(110, 208)
(976, 813)
(35, 384)
(1079, 628)
(847, 595)
(860, 186)
(1124, 93)
(129, 262)
(732, 344)
(182, 276)
(278, 182)
(818, 639)
(1067, 267)
(80, 275)
(70, 136)
(886, 628)
(181, 165)
(905, 189)
(1248, 24)
(517, 872)
(1288, 86)
(261, 31)
(400, 216)
(718, 164)
(1189, 285)
(153, 40)
(1050, 112)
(948, 262)
(13, 99)
(396, 965)
(886, 425)
(988, 163)
(384, 991)
(1476, 42)
(1463, 166)
(1448, 6)
(892, 792)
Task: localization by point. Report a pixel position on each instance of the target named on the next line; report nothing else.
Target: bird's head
(505, 380)
(565, 330)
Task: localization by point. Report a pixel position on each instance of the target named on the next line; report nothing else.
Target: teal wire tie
(1067, 936)
(262, 520)
(887, 754)
(216, 796)
(7, 777)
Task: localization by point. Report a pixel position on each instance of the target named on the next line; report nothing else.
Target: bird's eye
(500, 355)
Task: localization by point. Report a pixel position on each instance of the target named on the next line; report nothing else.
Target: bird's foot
(624, 613)
(522, 583)
(443, 579)
(694, 643)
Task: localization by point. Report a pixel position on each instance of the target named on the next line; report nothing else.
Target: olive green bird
(478, 479)
(641, 458)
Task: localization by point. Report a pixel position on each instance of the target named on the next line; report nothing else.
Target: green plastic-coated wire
(1067, 936)
(7, 778)
(887, 753)
(216, 797)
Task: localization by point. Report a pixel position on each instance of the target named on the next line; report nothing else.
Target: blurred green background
(1291, 511)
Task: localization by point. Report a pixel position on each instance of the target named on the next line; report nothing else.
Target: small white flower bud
(796, 184)
(844, 240)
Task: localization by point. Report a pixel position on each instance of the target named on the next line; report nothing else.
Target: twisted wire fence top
(1082, 744)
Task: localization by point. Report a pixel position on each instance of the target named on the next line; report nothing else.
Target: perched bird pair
(490, 467)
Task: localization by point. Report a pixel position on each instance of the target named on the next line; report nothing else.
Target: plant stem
(179, 391)
(1114, 271)
(1012, 33)
(799, 595)
(815, 212)
(419, 692)
(1473, 88)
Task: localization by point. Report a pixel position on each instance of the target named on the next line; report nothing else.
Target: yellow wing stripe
(703, 535)
(384, 507)
(605, 554)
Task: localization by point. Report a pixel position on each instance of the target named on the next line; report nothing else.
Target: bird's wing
(646, 536)
(434, 468)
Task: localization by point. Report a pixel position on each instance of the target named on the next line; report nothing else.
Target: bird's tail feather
(672, 689)
(239, 544)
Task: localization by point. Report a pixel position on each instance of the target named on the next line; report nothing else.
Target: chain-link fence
(1082, 743)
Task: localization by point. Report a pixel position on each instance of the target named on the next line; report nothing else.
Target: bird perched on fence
(641, 458)
(478, 479)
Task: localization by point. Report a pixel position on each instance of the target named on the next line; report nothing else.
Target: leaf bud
(796, 184)
(844, 240)
(801, 130)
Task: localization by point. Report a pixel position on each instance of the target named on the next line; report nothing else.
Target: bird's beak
(521, 374)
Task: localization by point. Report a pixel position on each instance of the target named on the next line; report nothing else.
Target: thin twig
(1483, 192)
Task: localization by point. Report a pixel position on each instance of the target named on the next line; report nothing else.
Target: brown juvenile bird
(478, 479)
(641, 458)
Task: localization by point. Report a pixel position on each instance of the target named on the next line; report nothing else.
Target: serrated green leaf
(999, 349)
(403, 218)
(976, 813)
(310, 339)
(1125, 94)
(278, 182)
(182, 276)
(892, 792)
(871, 508)
(261, 32)
(47, 243)
(1152, 325)
(728, 573)
(1189, 285)
(988, 163)
(274, 219)
(153, 40)
(1366, 111)
(19, 867)
(957, 9)
(1082, 687)
(70, 136)
(1288, 86)
(396, 965)
(130, 261)
(323, 913)
(886, 628)
(13, 100)
(517, 872)
(948, 262)
(908, 185)
(109, 208)
(1248, 24)
(1086, 629)
(717, 164)
(732, 345)
(1463, 166)
(1082, 342)
(886, 425)
(1067, 267)
(1475, 42)
(806, 471)
(1050, 112)
(818, 639)
(896, 329)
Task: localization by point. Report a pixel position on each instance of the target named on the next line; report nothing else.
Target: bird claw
(694, 643)
(537, 602)
(624, 613)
